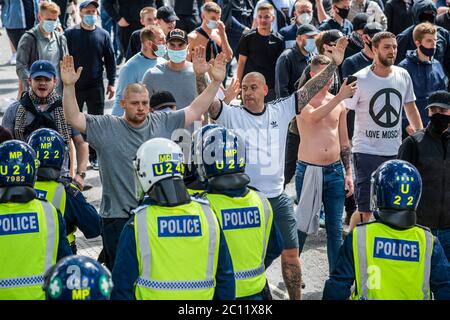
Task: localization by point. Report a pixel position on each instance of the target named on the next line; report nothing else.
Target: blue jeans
(111, 27)
(333, 198)
(443, 236)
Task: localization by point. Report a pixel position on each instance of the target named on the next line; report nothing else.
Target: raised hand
(68, 75)
(337, 52)
(232, 91)
(219, 68)
(347, 90)
(199, 60)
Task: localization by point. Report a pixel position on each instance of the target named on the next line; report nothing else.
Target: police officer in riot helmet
(77, 278)
(391, 258)
(33, 226)
(189, 257)
(193, 179)
(244, 214)
(51, 150)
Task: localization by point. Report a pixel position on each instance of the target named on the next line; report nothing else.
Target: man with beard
(383, 90)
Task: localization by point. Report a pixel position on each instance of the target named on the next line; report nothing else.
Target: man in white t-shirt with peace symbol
(384, 90)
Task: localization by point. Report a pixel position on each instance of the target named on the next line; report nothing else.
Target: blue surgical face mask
(161, 51)
(49, 25)
(310, 45)
(177, 56)
(90, 19)
(211, 24)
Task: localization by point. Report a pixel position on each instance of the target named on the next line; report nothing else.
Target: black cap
(372, 28)
(162, 99)
(331, 36)
(307, 29)
(167, 14)
(439, 99)
(359, 21)
(177, 34)
(84, 4)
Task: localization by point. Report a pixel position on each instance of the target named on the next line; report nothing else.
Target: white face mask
(304, 18)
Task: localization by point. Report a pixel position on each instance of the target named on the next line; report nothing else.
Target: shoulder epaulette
(201, 200)
(139, 209)
(423, 227)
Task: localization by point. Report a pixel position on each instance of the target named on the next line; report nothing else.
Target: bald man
(264, 128)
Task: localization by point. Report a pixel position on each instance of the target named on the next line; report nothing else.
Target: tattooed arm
(200, 81)
(345, 151)
(315, 84)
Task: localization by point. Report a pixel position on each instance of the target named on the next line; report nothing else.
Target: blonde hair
(266, 6)
(134, 88)
(51, 7)
(146, 11)
(422, 29)
(211, 7)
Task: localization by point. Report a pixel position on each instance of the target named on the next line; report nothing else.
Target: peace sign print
(385, 107)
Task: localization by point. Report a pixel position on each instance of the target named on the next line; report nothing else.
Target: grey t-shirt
(181, 84)
(116, 143)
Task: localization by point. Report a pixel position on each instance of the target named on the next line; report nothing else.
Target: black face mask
(429, 52)
(427, 17)
(343, 13)
(439, 122)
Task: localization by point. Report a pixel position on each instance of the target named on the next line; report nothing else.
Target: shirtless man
(211, 34)
(323, 128)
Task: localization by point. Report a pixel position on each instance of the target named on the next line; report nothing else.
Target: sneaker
(12, 61)
(94, 164)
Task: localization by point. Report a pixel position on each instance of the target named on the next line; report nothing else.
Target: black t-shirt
(262, 53)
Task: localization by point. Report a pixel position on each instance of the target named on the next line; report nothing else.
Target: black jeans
(14, 35)
(95, 102)
(111, 230)
(290, 162)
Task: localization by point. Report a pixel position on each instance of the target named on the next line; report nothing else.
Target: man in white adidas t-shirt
(264, 127)
(383, 91)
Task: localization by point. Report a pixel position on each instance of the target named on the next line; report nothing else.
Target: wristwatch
(82, 174)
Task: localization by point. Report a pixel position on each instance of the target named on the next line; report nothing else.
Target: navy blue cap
(167, 14)
(84, 4)
(42, 68)
(307, 29)
(439, 99)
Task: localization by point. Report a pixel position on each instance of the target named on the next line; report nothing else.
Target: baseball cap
(42, 68)
(439, 99)
(372, 28)
(359, 21)
(331, 36)
(167, 14)
(84, 4)
(162, 99)
(177, 34)
(307, 29)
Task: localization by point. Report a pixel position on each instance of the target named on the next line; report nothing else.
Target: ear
(122, 103)
(418, 43)
(29, 81)
(266, 90)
